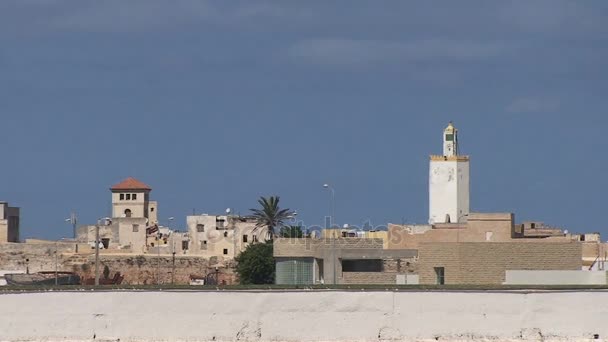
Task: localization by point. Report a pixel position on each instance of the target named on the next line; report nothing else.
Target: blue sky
(215, 103)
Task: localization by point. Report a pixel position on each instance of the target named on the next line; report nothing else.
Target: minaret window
(449, 137)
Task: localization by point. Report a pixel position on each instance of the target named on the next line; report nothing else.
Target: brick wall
(306, 247)
(368, 278)
(486, 262)
(402, 265)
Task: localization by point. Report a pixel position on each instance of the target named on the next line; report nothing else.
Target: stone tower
(131, 199)
(449, 182)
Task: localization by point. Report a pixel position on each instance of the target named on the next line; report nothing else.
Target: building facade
(134, 224)
(9, 223)
(480, 263)
(348, 260)
(222, 235)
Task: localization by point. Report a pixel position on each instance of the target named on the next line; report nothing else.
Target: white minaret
(449, 182)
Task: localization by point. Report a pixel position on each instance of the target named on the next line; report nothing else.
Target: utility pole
(173, 269)
(97, 254)
(56, 281)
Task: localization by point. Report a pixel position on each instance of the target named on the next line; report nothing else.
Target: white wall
(448, 190)
(303, 316)
(548, 277)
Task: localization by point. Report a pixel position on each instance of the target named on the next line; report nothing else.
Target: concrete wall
(487, 262)
(518, 277)
(303, 316)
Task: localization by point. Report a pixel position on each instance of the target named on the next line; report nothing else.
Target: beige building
(355, 233)
(486, 263)
(222, 235)
(348, 260)
(479, 227)
(134, 224)
(9, 223)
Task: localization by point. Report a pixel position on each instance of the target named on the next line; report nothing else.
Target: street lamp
(73, 220)
(332, 209)
(171, 231)
(106, 221)
(331, 219)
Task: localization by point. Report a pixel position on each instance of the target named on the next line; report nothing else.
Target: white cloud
(533, 105)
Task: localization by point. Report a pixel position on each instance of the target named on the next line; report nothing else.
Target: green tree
(255, 265)
(270, 215)
(291, 232)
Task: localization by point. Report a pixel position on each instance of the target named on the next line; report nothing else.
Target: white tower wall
(449, 182)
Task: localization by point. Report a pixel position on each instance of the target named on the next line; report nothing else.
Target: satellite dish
(566, 231)
(227, 210)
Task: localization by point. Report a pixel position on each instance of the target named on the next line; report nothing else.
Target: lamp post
(331, 221)
(106, 221)
(56, 281)
(172, 251)
(73, 220)
(332, 205)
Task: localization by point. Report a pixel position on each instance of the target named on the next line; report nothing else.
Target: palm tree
(270, 215)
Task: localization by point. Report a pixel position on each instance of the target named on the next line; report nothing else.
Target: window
(449, 137)
(135, 228)
(128, 197)
(440, 274)
(225, 234)
(254, 238)
(185, 245)
(245, 238)
(489, 236)
(220, 223)
(152, 209)
(225, 251)
(122, 197)
(127, 212)
(204, 245)
(200, 228)
(134, 197)
(582, 237)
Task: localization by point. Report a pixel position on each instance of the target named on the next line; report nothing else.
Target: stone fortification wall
(136, 269)
(303, 316)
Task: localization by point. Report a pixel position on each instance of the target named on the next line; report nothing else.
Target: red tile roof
(131, 184)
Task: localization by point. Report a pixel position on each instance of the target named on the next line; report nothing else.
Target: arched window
(127, 212)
